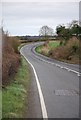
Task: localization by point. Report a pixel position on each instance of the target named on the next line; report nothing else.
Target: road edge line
(58, 65)
(43, 107)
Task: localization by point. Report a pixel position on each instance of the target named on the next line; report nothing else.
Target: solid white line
(43, 107)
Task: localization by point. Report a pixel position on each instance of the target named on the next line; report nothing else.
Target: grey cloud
(53, 10)
(35, 15)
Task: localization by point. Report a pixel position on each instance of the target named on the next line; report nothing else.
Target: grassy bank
(69, 52)
(14, 95)
(49, 45)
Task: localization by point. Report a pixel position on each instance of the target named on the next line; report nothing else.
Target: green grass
(38, 49)
(15, 94)
(53, 44)
(46, 49)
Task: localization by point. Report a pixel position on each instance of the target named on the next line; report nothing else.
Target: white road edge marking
(68, 69)
(43, 107)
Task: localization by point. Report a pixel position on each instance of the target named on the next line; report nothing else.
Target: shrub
(15, 43)
(10, 58)
(70, 51)
(73, 43)
(59, 52)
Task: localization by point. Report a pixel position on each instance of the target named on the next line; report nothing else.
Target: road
(56, 93)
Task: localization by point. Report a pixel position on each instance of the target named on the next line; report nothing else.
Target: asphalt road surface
(54, 91)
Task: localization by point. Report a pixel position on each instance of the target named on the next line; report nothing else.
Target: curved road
(59, 84)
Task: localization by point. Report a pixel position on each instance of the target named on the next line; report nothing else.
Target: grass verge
(53, 44)
(69, 52)
(38, 49)
(44, 49)
(14, 95)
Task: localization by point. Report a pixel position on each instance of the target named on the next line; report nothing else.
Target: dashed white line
(43, 107)
(68, 69)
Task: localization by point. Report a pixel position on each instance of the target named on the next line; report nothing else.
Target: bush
(10, 58)
(70, 51)
(15, 43)
(73, 43)
(59, 52)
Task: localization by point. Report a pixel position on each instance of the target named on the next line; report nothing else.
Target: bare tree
(46, 31)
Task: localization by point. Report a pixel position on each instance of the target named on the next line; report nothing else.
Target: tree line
(63, 31)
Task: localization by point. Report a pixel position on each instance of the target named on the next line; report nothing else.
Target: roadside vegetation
(70, 52)
(10, 57)
(67, 47)
(48, 46)
(15, 95)
(15, 78)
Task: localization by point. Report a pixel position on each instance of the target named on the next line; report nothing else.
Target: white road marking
(66, 92)
(61, 67)
(70, 70)
(79, 74)
(43, 107)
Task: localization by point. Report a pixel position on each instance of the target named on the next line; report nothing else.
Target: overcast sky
(26, 18)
